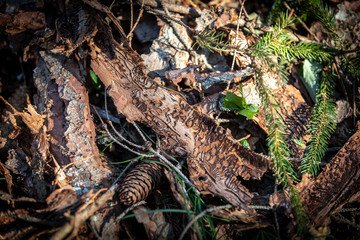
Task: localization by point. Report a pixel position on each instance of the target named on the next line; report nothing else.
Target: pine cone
(139, 182)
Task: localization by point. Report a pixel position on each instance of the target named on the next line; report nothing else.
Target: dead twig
(126, 211)
(71, 227)
(119, 143)
(301, 22)
(130, 35)
(27, 218)
(236, 38)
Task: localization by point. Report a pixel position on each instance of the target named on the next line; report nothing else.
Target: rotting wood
(217, 163)
(22, 21)
(65, 102)
(335, 186)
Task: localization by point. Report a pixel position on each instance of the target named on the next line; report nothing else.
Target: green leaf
(234, 102)
(253, 108)
(238, 104)
(247, 113)
(95, 80)
(309, 74)
(245, 143)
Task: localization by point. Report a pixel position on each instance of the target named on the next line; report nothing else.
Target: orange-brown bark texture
(217, 163)
(336, 185)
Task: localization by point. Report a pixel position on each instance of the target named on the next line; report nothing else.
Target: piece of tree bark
(64, 100)
(22, 21)
(338, 182)
(217, 163)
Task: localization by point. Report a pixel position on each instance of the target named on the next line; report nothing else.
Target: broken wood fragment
(217, 163)
(64, 101)
(332, 189)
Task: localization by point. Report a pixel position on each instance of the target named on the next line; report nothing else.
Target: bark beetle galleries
(212, 154)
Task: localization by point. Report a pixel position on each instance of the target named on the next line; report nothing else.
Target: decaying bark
(65, 102)
(215, 160)
(335, 186)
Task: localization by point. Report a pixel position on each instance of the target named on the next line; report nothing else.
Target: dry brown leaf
(5, 171)
(32, 119)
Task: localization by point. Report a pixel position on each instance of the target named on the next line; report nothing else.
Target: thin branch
(129, 36)
(301, 22)
(126, 211)
(119, 143)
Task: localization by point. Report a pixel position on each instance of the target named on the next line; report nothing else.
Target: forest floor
(72, 153)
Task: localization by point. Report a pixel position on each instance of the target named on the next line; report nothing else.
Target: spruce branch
(321, 126)
(313, 8)
(325, 15)
(278, 149)
(211, 40)
(280, 44)
(353, 66)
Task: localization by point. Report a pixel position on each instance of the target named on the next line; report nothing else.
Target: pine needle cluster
(324, 14)
(211, 40)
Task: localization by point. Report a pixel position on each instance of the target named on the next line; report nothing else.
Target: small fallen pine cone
(139, 182)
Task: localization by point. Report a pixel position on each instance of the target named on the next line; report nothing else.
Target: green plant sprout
(239, 105)
(95, 80)
(245, 143)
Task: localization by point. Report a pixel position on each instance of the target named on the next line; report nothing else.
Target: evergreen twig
(322, 125)
(278, 149)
